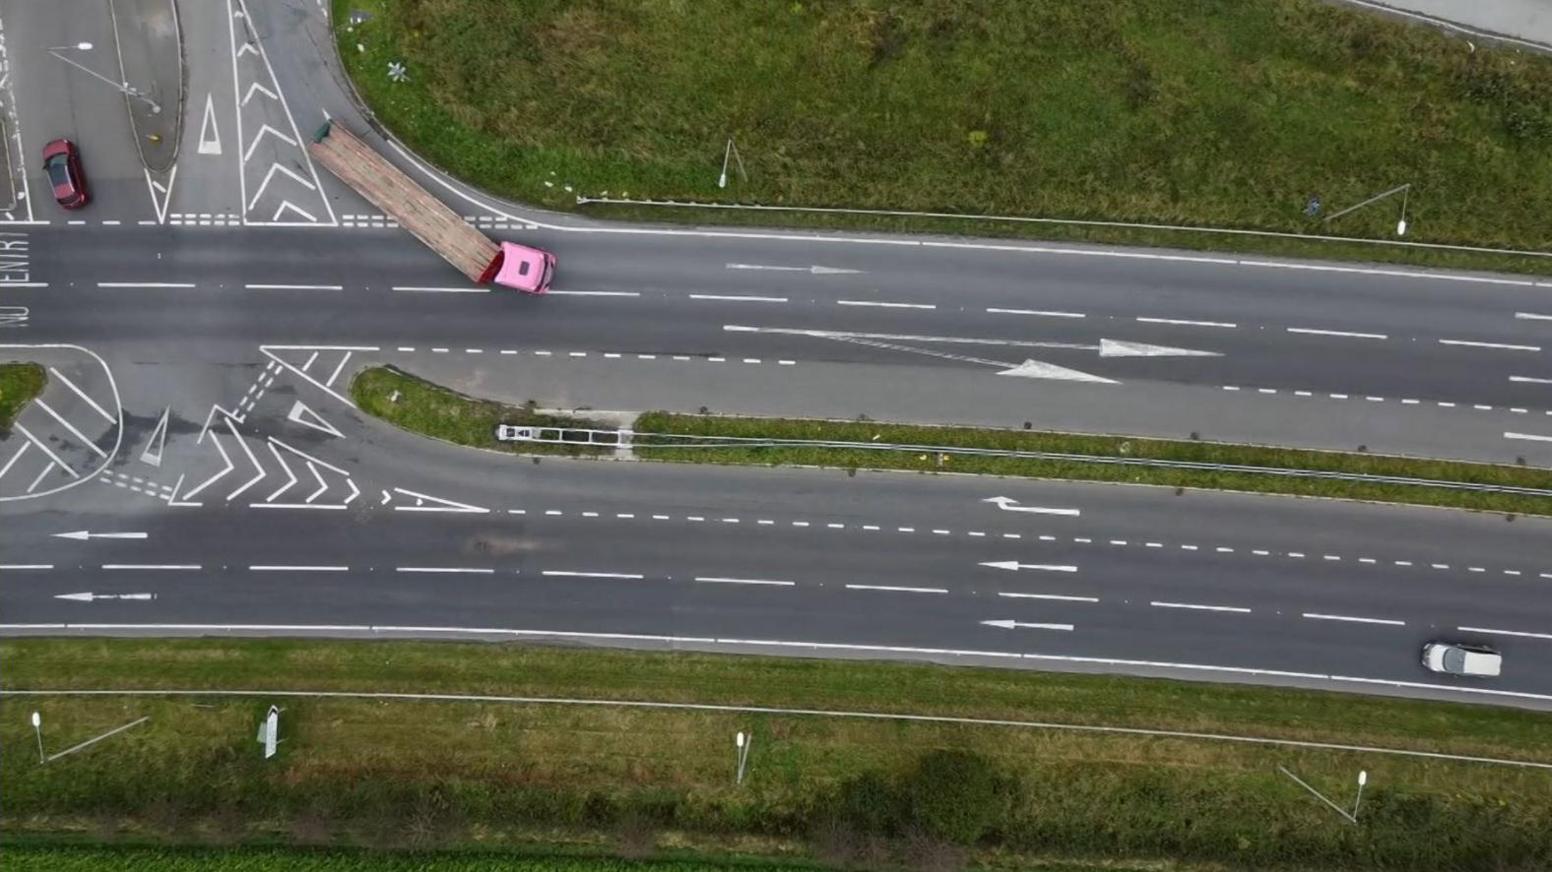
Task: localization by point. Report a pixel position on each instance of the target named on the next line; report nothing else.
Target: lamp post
(124, 88)
(37, 729)
(741, 744)
(1363, 778)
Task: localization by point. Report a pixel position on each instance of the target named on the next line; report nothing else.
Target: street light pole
(122, 87)
(37, 729)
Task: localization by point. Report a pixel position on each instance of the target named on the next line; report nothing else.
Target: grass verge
(635, 781)
(19, 383)
(1212, 113)
(1097, 446)
(419, 406)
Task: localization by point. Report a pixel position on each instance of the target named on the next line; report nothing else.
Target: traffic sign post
(269, 731)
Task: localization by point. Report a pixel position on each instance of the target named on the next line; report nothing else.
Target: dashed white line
(20, 567)
(1317, 616)
(1494, 632)
(883, 305)
(738, 298)
(1500, 346)
(1345, 334)
(1532, 316)
(755, 581)
(594, 293)
(277, 567)
(145, 284)
(455, 570)
(1037, 312)
(1181, 322)
(256, 287)
(562, 573)
(431, 290)
(896, 589)
(152, 566)
(1050, 596)
(1198, 607)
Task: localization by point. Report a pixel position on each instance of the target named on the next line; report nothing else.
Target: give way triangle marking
(301, 414)
(153, 450)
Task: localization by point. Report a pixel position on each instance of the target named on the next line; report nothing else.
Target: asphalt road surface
(208, 328)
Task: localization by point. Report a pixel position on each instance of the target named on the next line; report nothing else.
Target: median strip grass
(927, 459)
(631, 781)
(1210, 113)
(19, 384)
(419, 406)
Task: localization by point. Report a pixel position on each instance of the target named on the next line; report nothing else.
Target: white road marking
(276, 567)
(594, 293)
(258, 287)
(1525, 379)
(1009, 504)
(736, 298)
(1198, 607)
(39, 402)
(1528, 437)
(1180, 322)
(896, 589)
(1340, 333)
(1012, 625)
(209, 133)
(884, 305)
(145, 284)
(20, 567)
(152, 566)
(759, 581)
(45, 449)
(1532, 316)
(1316, 616)
(1496, 345)
(430, 290)
(1014, 565)
(1050, 596)
(82, 394)
(559, 573)
(1038, 312)
(1494, 632)
(454, 570)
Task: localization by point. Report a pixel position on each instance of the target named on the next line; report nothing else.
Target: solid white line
(1050, 596)
(1528, 437)
(1165, 605)
(1039, 312)
(150, 566)
(882, 305)
(285, 568)
(13, 567)
(737, 298)
(1525, 379)
(1342, 333)
(1532, 316)
(1316, 616)
(82, 394)
(557, 573)
(453, 569)
(69, 426)
(895, 589)
(144, 285)
(1505, 632)
(1497, 345)
(295, 287)
(1184, 323)
(595, 293)
(442, 290)
(717, 580)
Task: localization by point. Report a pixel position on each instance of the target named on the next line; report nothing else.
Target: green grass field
(19, 383)
(1201, 112)
(535, 777)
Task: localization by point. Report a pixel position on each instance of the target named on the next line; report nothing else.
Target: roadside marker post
(37, 729)
(742, 744)
(269, 731)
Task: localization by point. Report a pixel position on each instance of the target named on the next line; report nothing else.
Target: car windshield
(58, 171)
(1454, 660)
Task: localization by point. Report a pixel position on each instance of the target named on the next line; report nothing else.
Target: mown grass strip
(1214, 113)
(712, 426)
(441, 413)
(19, 384)
(454, 774)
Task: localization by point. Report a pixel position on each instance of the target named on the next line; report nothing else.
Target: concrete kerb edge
(1393, 11)
(803, 712)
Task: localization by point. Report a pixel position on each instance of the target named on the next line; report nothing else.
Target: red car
(62, 162)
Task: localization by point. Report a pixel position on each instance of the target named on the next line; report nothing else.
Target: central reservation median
(1211, 113)
(438, 412)
(587, 773)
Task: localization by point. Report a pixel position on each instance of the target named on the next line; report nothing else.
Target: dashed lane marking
(891, 588)
(1182, 322)
(1344, 334)
(1158, 604)
(1317, 616)
(751, 581)
(1500, 346)
(274, 567)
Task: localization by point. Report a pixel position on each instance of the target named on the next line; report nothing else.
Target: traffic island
(20, 383)
(616, 754)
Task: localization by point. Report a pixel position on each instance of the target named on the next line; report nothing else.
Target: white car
(1470, 660)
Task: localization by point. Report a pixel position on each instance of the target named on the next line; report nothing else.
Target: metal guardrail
(675, 440)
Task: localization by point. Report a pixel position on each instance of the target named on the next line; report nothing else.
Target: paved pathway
(1521, 20)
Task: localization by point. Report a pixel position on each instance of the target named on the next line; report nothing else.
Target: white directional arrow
(815, 269)
(1014, 566)
(83, 535)
(1118, 348)
(1037, 369)
(89, 597)
(1010, 625)
(1009, 504)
